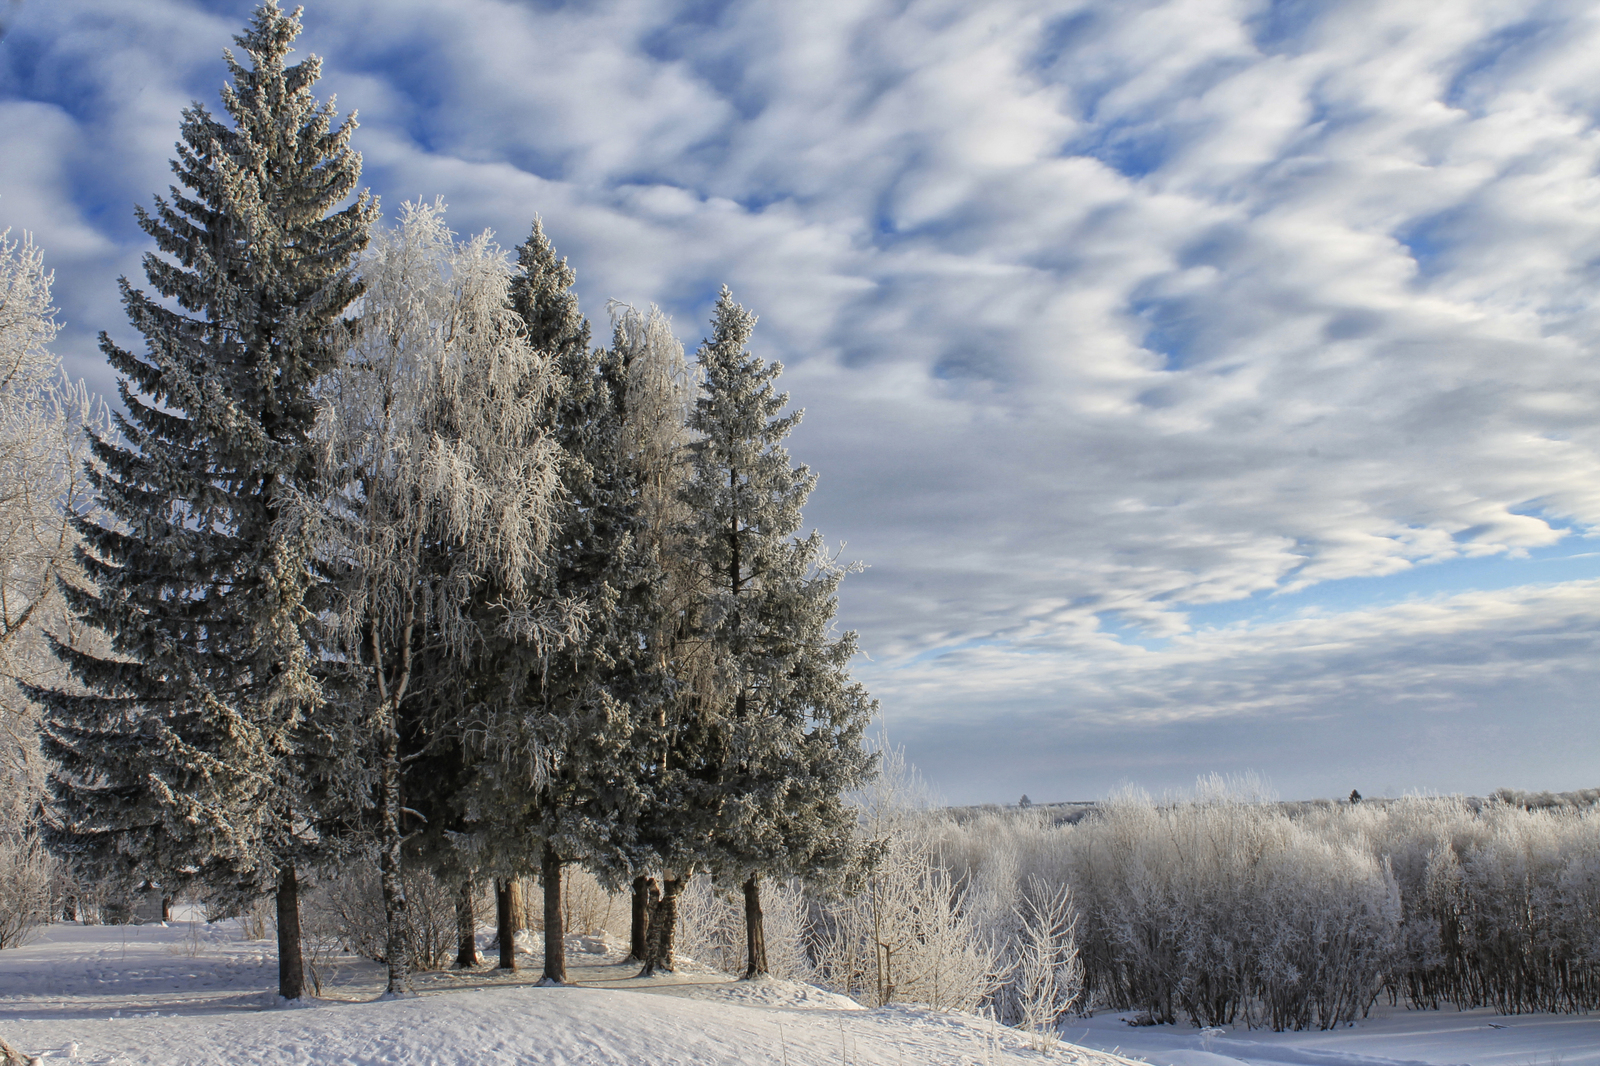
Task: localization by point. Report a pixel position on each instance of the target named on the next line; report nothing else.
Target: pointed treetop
(543, 295)
(267, 41)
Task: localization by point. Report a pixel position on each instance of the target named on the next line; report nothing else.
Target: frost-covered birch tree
(438, 440)
(779, 726)
(43, 488)
(202, 744)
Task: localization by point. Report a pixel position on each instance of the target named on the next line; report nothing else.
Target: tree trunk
(466, 928)
(663, 928)
(555, 940)
(519, 908)
(755, 931)
(291, 961)
(166, 908)
(396, 952)
(503, 931)
(645, 893)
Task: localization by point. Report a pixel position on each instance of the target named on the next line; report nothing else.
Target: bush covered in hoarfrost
(349, 909)
(1228, 909)
(713, 931)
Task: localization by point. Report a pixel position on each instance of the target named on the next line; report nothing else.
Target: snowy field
(1446, 1037)
(192, 993)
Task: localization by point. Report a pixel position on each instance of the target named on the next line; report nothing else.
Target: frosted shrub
(908, 933)
(586, 906)
(711, 928)
(788, 928)
(1228, 909)
(1222, 909)
(353, 904)
(27, 873)
(1043, 975)
(1498, 901)
(1330, 914)
(1518, 902)
(258, 919)
(906, 936)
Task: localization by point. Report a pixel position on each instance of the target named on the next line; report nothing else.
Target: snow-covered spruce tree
(438, 437)
(664, 839)
(202, 743)
(622, 555)
(584, 706)
(512, 752)
(781, 728)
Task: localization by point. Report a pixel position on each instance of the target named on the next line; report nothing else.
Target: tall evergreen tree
(609, 701)
(780, 728)
(583, 703)
(203, 743)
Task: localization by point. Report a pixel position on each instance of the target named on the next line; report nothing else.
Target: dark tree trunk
(466, 928)
(663, 928)
(555, 939)
(166, 908)
(291, 960)
(755, 931)
(645, 894)
(506, 936)
(396, 952)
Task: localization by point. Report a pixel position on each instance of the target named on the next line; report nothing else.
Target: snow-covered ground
(192, 993)
(189, 993)
(1390, 1036)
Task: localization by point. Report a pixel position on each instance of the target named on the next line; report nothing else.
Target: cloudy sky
(1210, 385)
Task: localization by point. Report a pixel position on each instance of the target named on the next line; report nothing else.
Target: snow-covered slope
(193, 994)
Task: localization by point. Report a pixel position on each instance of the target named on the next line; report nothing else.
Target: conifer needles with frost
(778, 721)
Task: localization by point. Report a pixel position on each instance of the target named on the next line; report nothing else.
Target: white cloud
(1100, 311)
(1452, 693)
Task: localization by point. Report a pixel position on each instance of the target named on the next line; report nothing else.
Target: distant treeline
(1071, 812)
(1227, 910)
